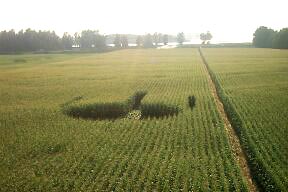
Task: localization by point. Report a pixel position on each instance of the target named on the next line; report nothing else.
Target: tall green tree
(156, 38)
(139, 41)
(91, 39)
(77, 39)
(124, 41)
(263, 37)
(180, 38)
(165, 39)
(7, 41)
(281, 39)
(117, 41)
(88, 39)
(67, 41)
(148, 42)
(208, 37)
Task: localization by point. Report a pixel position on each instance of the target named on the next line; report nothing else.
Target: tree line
(148, 40)
(31, 40)
(265, 37)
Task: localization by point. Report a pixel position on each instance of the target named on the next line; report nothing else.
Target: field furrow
(254, 84)
(239, 153)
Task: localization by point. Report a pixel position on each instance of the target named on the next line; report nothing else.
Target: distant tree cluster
(149, 41)
(206, 37)
(31, 40)
(121, 41)
(265, 37)
(92, 39)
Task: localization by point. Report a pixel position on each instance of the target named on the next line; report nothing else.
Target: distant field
(256, 81)
(43, 149)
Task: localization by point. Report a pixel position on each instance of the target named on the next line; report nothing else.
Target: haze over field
(228, 21)
(143, 95)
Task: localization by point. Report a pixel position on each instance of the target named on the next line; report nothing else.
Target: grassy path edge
(231, 126)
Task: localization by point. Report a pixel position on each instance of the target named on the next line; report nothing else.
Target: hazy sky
(227, 20)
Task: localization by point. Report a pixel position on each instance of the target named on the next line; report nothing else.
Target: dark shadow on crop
(158, 110)
(100, 111)
(20, 61)
(96, 110)
(191, 101)
(131, 109)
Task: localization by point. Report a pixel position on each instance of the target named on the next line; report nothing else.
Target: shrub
(191, 101)
(158, 110)
(134, 101)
